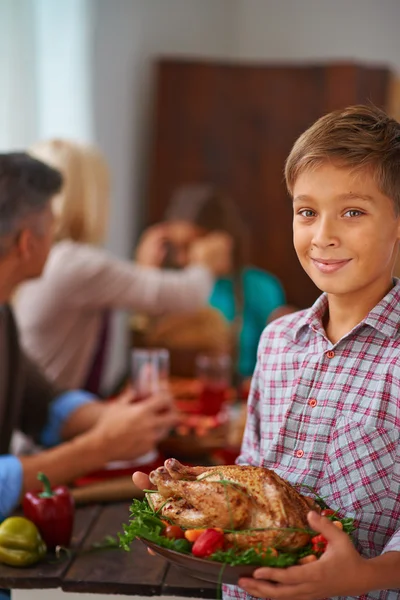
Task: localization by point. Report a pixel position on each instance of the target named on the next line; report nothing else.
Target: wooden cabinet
(234, 125)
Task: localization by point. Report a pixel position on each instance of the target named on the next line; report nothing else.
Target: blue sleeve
(10, 484)
(59, 410)
(263, 293)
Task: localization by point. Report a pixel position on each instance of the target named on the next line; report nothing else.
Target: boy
(324, 406)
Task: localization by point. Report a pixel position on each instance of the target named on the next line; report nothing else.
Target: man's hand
(341, 571)
(151, 249)
(129, 429)
(213, 251)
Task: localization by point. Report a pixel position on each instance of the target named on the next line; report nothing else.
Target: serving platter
(201, 568)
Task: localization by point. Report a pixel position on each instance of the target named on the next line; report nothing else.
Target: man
(92, 432)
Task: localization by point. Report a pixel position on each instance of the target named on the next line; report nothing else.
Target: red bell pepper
(52, 511)
(208, 542)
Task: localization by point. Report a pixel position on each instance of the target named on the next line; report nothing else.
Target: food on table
(52, 511)
(253, 503)
(236, 515)
(21, 544)
(208, 542)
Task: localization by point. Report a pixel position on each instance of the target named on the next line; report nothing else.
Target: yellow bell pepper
(20, 542)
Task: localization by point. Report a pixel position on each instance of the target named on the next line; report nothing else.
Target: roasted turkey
(254, 503)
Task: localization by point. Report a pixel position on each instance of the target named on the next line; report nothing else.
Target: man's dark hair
(26, 187)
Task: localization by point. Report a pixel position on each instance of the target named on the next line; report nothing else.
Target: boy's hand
(341, 571)
(142, 481)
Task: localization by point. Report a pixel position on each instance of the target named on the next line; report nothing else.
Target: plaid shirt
(328, 416)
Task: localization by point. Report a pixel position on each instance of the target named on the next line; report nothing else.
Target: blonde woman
(62, 316)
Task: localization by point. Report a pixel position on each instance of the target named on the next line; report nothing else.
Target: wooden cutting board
(109, 490)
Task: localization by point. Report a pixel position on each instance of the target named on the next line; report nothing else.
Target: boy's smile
(346, 231)
(329, 266)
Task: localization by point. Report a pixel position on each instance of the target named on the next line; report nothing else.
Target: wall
(63, 40)
(18, 125)
(130, 34)
(296, 30)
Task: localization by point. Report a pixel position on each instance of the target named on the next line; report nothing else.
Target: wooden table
(110, 571)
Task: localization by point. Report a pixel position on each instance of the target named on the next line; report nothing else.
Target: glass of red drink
(214, 373)
(149, 371)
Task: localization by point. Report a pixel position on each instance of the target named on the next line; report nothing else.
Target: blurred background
(179, 91)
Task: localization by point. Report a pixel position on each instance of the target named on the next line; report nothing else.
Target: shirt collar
(312, 318)
(384, 317)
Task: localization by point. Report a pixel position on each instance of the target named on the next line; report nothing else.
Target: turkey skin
(254, 504)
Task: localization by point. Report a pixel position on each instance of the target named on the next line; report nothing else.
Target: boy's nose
(324, 234)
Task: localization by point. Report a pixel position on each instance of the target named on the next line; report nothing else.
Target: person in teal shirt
(246, 296)
(261, 294)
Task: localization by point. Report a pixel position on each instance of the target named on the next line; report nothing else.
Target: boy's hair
(358, 137)
(81, 209)
(26, 187)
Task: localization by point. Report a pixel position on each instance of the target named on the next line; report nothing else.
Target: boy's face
(345, 231)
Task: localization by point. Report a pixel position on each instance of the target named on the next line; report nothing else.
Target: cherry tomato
(208, 542)
(319, 544)
(173, 532)
(327, 512)
(192, 534)
(307, 559)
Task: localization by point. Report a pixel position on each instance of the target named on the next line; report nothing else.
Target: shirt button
(312, 402)
(330, 354)
(299, 453)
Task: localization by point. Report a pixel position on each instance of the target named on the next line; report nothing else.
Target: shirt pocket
(359, 467)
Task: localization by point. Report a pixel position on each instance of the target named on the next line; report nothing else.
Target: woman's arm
(89, 277)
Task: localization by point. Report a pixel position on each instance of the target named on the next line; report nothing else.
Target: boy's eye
(353, 213)
(306, 212)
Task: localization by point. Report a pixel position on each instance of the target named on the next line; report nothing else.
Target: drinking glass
(214, 373)
(149, 371)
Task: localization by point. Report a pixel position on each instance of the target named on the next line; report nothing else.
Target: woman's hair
(359, 138)
(81, 208)
(206, 207)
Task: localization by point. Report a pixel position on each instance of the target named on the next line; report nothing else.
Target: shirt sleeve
(10, 484)
(92, 277)
(393, 544)
(233, 592)
(59, 410)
